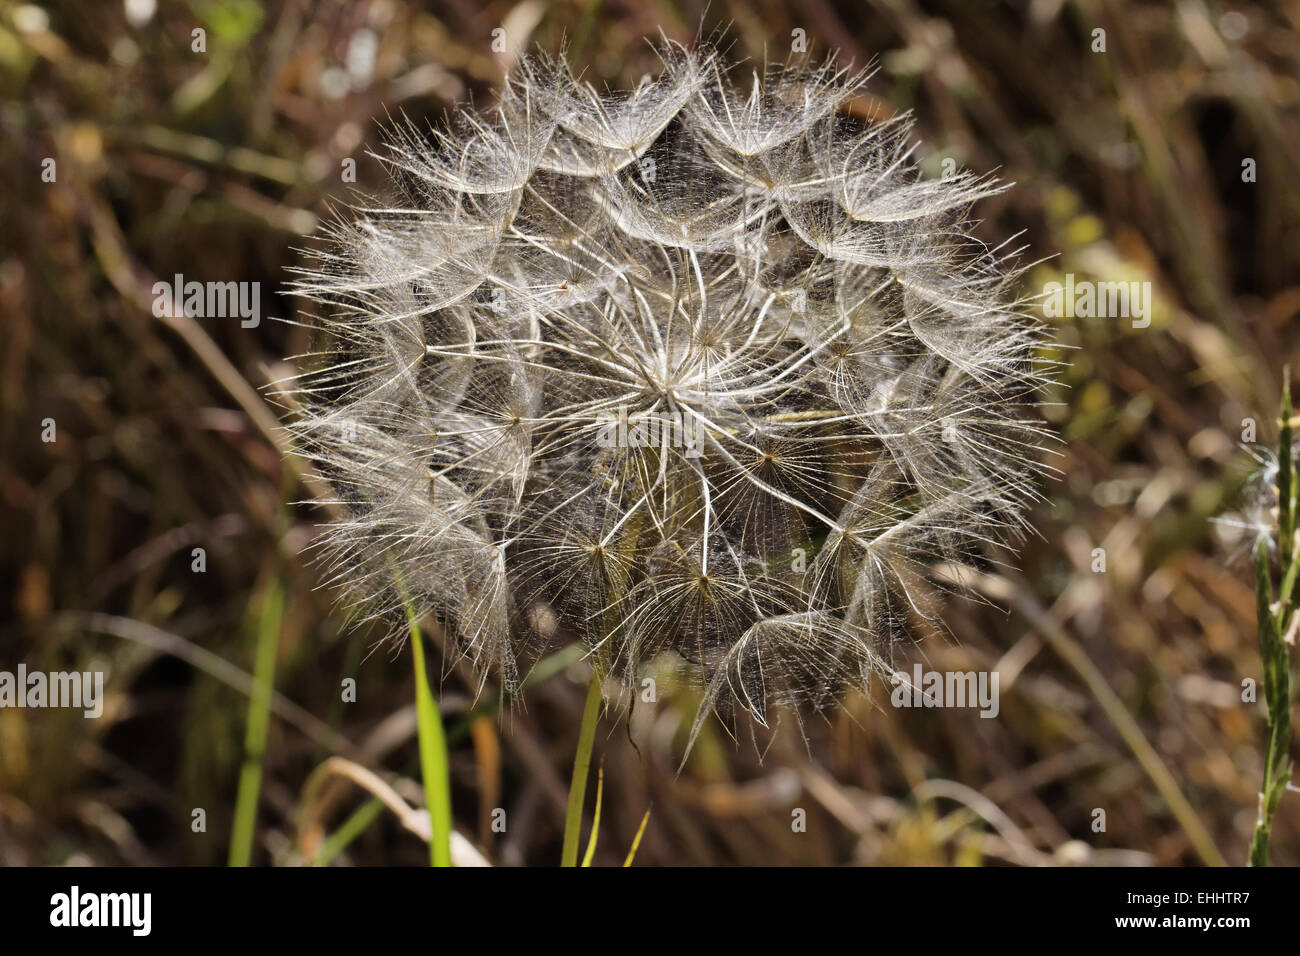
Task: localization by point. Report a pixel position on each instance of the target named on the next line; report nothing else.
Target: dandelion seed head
(704, 370)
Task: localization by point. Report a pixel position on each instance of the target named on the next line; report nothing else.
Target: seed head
(705, 370)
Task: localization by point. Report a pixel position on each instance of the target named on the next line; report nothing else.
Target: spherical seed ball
(705, 371)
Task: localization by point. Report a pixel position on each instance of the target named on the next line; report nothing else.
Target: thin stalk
(636, 840)
(1273, 626)
(1277, 693)
(581, 770)
(595, 818)
(351, 828)
(433, 753)
(591, 709)
(258, 722)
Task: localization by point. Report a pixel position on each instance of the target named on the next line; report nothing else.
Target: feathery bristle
(706, 369)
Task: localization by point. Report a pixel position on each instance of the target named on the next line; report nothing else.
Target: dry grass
(1120, 691)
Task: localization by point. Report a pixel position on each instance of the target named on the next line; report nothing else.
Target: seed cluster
(702, 374)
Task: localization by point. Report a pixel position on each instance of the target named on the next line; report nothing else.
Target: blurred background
(1165, 149)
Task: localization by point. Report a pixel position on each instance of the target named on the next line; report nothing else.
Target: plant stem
(581, 769)
(595, 818)
(433, 753)
(1273, 651)
(616, 575)
(1277, 692)
(259, 720)
(636, 840)
(352, 827)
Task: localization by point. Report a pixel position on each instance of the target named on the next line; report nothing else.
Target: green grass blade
(1277, 693)
(259, 721)
(636, 840)
(433, 753)
(352, 827)
(595, 818)
(581, 769)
